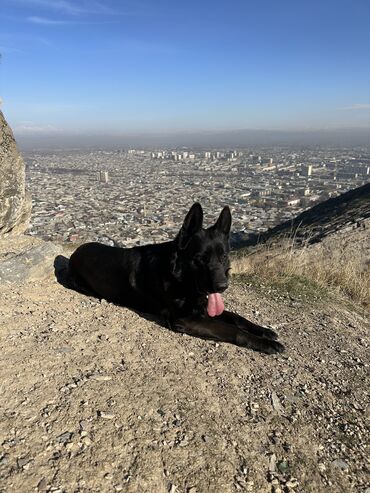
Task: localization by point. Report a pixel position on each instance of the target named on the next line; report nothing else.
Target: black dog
(179, 281)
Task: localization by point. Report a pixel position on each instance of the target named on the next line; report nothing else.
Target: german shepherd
(179, 281)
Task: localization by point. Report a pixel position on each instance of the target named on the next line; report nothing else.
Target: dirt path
(96, 399)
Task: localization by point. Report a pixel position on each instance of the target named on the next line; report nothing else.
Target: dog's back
(132, 277)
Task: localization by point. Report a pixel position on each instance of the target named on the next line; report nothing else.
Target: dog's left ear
(223, 223)
(192, 224)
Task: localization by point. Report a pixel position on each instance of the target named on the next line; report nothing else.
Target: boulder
(15, 204)
(29, 261)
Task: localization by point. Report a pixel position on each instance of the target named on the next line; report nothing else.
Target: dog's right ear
(192, 224)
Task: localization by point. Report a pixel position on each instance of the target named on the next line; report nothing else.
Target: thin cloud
(72, 8)
(32, 128)
(360, 106)
(47, 22)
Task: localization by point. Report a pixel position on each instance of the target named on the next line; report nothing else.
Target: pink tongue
(215, 305)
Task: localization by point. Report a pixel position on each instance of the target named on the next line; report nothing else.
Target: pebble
(86, 441)
(184, 442)
(341, 464)
(22, 462)
(65, 437)
(254, 407)
(101, 378)
(42, 484)
(105, 415)
(276, 404)
(63, 350)
(272, 463)
(4, 459)
(283, 466)
(322, 467)
(292, 483)
(276, 487)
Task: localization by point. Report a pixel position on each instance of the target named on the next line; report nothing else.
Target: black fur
(171, 280)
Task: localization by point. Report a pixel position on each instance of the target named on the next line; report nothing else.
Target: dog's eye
(220, 252)
(201, 258)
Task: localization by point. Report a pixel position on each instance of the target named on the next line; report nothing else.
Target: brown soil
(95, 398)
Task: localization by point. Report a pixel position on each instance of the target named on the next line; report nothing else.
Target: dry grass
(338, 269)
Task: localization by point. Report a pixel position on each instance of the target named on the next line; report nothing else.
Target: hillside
(311, 226)
(328, 244)
(97, 399)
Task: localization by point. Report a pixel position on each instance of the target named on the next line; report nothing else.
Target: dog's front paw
(269, 333)
(270, 346)
(261, 344)
(257, 330)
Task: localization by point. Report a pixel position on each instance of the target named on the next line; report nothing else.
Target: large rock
(25, 258)
(15, 205)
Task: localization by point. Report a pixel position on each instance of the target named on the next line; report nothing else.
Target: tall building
(103, 177)
(307, 170)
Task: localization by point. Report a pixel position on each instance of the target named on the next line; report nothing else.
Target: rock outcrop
(15, 205)
(24, 259)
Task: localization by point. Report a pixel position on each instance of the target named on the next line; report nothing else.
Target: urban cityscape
(138, 196)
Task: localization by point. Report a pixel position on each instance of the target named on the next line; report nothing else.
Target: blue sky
(138, 65)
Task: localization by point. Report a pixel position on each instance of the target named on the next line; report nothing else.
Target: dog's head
(204, 253)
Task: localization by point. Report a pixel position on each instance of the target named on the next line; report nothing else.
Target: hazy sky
(168, 65)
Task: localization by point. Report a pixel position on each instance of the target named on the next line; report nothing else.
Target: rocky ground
(95, 398)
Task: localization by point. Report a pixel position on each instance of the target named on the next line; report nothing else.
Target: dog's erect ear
(223, 223)
(192, 224)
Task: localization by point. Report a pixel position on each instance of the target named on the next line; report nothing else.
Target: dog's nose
(221, 286)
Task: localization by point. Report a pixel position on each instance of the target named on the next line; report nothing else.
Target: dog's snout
(221, 286)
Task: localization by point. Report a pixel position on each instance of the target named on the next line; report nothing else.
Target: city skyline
(84, 69)
(127, 195)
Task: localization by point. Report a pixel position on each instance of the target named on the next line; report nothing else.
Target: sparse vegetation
(284, 264)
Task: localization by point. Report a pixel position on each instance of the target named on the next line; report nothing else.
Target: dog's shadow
(63, 277)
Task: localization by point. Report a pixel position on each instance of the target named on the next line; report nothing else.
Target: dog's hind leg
(219, 330)
(243, 323)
